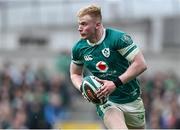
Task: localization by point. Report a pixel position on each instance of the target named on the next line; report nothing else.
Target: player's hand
(107, 88)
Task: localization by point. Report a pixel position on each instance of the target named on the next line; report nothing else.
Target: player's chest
(99, 58)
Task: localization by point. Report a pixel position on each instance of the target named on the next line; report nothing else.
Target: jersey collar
(100, 41)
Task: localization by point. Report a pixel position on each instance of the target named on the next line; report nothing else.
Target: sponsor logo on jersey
(106, 52)
(110, 73)
(88, 58)
(102, 66)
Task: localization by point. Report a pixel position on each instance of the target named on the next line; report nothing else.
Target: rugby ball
(89, 87)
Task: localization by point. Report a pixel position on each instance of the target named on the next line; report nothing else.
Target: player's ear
(98, 25)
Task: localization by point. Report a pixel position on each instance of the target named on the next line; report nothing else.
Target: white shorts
(134, 112)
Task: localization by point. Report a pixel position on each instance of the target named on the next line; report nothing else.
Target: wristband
(117, 82)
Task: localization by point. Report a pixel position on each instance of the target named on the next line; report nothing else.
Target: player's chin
(83, 37)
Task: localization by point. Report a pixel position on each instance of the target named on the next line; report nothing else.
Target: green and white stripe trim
(129, 52)
(78, 62)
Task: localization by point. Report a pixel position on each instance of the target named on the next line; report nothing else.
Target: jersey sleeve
(126, 47)
(75, 56)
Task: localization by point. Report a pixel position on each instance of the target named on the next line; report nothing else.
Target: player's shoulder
(119, 35)
(115, 32)
(79, 44)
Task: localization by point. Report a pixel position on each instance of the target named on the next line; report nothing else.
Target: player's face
(87, 27)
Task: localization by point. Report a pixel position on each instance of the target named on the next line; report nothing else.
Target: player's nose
(80, 28)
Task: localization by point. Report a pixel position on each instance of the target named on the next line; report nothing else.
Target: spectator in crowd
(19, 120)
(54, 111)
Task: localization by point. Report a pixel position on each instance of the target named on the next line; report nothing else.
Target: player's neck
(98, 36)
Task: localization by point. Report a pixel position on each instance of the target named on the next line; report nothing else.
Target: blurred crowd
(35, 98)
(161, 95)
(31, 98)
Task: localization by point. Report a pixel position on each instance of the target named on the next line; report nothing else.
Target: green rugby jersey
(108, 59)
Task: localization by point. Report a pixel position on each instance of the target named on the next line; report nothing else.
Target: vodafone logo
(102, 66)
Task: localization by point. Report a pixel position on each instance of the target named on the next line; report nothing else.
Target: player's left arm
(132, 53)
(138, 65)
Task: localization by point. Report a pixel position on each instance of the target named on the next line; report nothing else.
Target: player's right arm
(76, 74)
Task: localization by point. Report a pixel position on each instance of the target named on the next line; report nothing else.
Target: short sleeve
(76, 56)
(127, 48)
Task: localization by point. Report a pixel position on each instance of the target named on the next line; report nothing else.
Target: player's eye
(83, 23)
